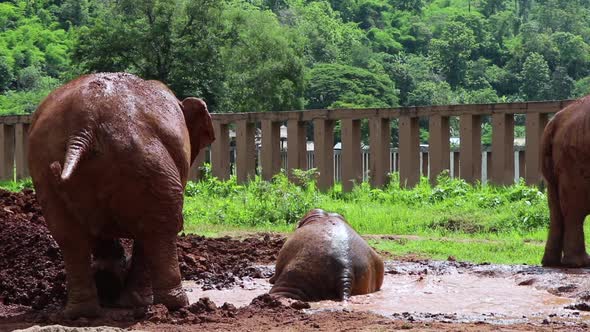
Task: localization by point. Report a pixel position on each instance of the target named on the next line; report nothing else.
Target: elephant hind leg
(554, 246)
(138, 287)
(164, 270)
(574, 208)
(75, 245)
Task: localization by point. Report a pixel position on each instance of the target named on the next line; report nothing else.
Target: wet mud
(227, 280)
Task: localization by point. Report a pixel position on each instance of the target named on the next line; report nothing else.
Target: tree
(535, 78)
(409, 5)
(326, 37)
(562, 84)
(263, 63)
(491, 7)
(430, 93)
(6, 76)
(335, 85)
(581, 87)
(176, 42)
(452, 50)
(73, 12)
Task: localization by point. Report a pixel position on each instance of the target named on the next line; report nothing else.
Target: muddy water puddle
(449, 291)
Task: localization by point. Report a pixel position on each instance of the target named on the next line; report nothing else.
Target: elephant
(325, 259)
(109, 155)
(565, 165)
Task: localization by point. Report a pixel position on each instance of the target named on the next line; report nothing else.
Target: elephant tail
(345, 286)
(77, 147)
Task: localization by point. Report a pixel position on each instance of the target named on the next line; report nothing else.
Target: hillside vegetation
(276, 55)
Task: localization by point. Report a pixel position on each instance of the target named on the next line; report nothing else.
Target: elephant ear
(199, 124)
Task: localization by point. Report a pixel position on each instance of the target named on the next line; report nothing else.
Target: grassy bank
(469, 223)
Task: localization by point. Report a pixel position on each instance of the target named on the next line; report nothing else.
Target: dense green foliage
(476, 223)
(274, 55)
(451, 206)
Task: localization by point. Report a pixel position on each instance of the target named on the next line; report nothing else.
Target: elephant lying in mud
(109, 155)
(565, 150)
(326, 259)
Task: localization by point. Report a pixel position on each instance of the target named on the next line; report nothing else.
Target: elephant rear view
(110, 155)
(565, 164)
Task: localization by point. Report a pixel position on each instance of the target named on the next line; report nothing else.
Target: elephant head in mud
(110, 155)
(326, 259)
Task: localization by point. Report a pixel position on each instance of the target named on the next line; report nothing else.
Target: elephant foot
(133, 299)
(576, 261)
(89, 309)
(551, 260)
(173, 299)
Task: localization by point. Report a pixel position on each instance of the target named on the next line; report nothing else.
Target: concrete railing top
(363, 113)
(413, 111)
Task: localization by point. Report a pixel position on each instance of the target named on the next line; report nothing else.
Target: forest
(278, 55)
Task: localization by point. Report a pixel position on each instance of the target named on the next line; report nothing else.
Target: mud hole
(227, 280)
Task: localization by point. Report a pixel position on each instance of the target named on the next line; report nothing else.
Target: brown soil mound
(32, 270)
(220, 263)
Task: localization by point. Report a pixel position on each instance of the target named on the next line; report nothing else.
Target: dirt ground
(419, 295)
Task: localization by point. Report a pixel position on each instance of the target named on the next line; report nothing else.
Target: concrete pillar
(246, 151)
(296, 146)
(351, 154)
(424, 163)
(470, 132)
(220, 151)
(535, 125)
(21, 147)
(379, 137)
(7, 153)
(409, 151)
(271, 149)
(456, 164)
(503, 148)
(439, 146)
(489, 157)
(521, 164)
(323, 137)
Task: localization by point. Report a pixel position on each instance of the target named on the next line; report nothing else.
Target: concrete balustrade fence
(348, 163)
(500, 160)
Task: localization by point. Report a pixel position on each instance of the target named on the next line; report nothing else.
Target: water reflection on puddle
(464, 296)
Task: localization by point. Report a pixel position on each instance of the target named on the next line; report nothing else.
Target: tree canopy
(277, 55)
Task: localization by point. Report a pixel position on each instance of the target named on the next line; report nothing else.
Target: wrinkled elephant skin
(109, 155)
(326, 259)
(565, 164)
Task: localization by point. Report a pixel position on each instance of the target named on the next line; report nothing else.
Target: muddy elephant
(109, 155)
(326, 259)
(565, 164)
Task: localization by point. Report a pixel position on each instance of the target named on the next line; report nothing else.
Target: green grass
(471, 223)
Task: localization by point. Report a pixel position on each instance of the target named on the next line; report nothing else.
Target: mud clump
(221, 263)
(32, 270)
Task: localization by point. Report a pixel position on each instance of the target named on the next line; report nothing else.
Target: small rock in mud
(527, 282)
(584, 296)
(299, 305)
(567, 288)
(203, 305)
(266, 301)
(157, 313)
(582, 306)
